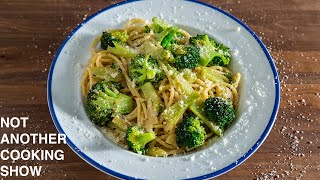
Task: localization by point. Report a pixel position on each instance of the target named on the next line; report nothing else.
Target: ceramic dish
(258, 105)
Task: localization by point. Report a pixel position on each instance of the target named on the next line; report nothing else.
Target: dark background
(32, 30)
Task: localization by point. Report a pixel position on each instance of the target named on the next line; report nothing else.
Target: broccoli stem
(211, 75)
(144, 138)
(165, 41)
(156, 152)
(104, 101)
(174, 112)
(184, 85)
(151, 74)
(122, 50)
(106, 73)
(110, 93)
(120, 123)
(180, 81)
(161, 36)
(198, 111)
(121, 35)
(159, 24)
(173, 69)
(189, 76)
(206, 58)
(124, 104)
(150, 93)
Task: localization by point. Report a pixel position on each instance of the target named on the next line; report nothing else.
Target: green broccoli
(147, 29)
(114, 42)
(186, 56)
(166, 37)
(213, 75)
(207, 48)
(156, 152)
(155, 51)
(165, 33)
(229, 75)
(180, 36)
(107, 40)
(190, 133)
(105, 102)
(210, 52)
(116, 67)
(137, 139)
(189, 75)
(159, 24)
(144, 69)
(150, 94)
(198, 110)
(120, 122)
(222, 56)
(107, 73)
(121, 35)
(114, 86)
(173, 113)
(219, 110)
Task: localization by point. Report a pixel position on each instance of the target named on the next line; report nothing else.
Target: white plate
(259, 93)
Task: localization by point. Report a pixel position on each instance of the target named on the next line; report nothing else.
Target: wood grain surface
(32, 30)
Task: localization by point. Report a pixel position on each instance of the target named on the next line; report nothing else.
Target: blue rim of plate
(210, 175)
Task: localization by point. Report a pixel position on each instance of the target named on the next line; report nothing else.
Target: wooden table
(31, 32)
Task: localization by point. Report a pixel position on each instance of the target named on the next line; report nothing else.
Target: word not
(13, 122)
(20, 170)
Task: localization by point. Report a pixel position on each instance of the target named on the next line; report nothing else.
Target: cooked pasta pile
(175, 87)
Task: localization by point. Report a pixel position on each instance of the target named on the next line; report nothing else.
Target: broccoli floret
(222, 56)
(198, 110)
(144, 69)
(180, 35)
(156, 51)
(115, 66)
(137, 139)
(105, 102)
(190, 133)
(202, 40)
(229, 76)
(186, 56)
(165, 33)
(114, 42)
(107, 40)
(210, 52)
(207, 48)
(166, 55)
(147, 29)
(166, 37)
(219, 110)
(114, 85)
(121, 35)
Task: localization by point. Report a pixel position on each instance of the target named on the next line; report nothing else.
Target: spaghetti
(207, 81)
